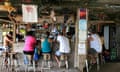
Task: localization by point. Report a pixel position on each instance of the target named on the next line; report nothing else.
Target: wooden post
(81, 40)
(14, 29)
(14, 36)
(14, 32)
(82, 59)
(76, 57)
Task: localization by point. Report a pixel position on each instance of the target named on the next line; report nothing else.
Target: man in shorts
(7, 44)
(95, 45)
(64, 47)
(8, 41)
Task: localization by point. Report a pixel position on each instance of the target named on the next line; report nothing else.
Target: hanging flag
(82, 13)
(29, 13)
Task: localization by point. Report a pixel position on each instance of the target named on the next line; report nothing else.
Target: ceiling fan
(7, 6)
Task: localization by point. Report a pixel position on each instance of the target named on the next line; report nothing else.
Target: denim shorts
(58, 53)
(6, 48)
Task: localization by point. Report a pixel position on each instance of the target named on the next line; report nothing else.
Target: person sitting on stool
(64, 47)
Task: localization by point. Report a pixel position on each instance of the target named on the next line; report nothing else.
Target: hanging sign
(29, 13)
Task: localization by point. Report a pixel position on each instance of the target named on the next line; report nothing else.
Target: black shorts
(28, 52)
(92, 51)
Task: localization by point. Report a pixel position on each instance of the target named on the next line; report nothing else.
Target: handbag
(36, 54)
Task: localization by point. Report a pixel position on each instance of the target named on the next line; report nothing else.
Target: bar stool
(13, 60)
(102, 59)
(98, 62)
(63, 59)
(46, 61)
(10, 59)
(5, 65)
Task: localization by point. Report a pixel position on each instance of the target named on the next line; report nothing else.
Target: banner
(82, 34)
(29, 13)
(82, 24)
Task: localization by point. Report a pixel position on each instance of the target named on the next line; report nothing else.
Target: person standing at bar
(28, 50)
